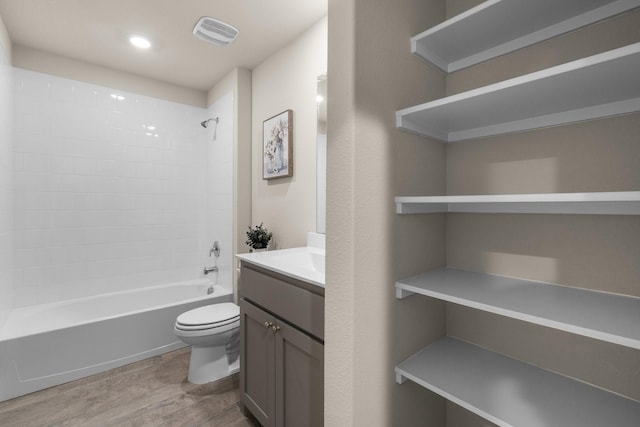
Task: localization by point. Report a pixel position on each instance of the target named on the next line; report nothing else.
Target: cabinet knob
(275, 328)
(268, 325)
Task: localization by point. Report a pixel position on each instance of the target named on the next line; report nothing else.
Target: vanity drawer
(284, 298)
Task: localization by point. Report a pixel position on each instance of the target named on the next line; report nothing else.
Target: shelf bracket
(403, 293)
(399, 377)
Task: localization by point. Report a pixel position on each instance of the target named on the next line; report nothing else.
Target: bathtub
(49, 344)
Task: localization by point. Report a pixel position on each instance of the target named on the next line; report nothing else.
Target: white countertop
(304, 263)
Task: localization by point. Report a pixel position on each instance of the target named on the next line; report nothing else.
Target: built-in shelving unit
(599, 86)
(602, 203)
(508, 392)
(473, 36)
(503, 390)
(603, 316)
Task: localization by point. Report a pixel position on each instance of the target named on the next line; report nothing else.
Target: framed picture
(277, 146)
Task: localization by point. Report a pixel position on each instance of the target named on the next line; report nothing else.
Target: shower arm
(205, 123)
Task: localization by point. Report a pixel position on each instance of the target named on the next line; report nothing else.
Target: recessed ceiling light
(139, 41)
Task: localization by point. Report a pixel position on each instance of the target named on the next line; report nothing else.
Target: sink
(310, 260)
(304, 263)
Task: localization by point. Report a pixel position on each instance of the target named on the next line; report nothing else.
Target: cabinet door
(257, 373)
(299, 378)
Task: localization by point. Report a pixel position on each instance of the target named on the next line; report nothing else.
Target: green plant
(258, 237)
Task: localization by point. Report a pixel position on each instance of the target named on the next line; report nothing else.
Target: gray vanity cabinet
(281, 349)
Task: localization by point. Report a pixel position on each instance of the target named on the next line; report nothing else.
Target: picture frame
(277, 146)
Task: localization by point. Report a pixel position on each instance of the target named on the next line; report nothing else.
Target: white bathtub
(50, 344)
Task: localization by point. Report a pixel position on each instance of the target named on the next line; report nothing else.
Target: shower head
(206, 122)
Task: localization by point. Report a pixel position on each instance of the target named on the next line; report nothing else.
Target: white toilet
(213, 332)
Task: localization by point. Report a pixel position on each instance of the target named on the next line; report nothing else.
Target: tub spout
(208, 270)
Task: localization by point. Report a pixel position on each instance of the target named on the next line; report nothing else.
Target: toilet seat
(209, 317)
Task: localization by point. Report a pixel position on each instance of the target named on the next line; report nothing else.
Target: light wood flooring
(152, 392)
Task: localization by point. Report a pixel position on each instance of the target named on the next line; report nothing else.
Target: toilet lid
(210, 315)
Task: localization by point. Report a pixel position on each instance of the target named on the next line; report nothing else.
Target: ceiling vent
(213, 31)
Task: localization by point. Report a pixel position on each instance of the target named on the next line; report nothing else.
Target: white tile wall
(6, 196)
(219, 198)
(112, 189)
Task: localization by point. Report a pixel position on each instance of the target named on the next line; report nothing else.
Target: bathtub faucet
(208, 270)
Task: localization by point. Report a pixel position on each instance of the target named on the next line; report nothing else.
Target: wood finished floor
(152, 392)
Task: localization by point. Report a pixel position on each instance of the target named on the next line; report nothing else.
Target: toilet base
(234, 368)
(209, 364)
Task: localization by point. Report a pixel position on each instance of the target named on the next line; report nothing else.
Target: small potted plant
(258, 238)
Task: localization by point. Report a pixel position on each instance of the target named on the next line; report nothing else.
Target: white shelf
(603, 316)
(497, 27)
(603, 203)
(508, 392)
(599, 86)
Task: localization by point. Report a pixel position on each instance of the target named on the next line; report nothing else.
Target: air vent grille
(214, 31)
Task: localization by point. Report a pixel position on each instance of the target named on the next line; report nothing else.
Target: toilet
(213, 332)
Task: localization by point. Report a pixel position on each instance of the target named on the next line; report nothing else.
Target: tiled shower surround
(114, 190)
(6, 188)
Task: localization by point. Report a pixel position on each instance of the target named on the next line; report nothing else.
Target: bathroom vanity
(281, 342)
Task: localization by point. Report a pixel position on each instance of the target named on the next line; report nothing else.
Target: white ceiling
(97, 31)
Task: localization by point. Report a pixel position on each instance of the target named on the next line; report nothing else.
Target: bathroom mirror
(321, 147)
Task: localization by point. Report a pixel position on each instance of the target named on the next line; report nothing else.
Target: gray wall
(371, 75)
